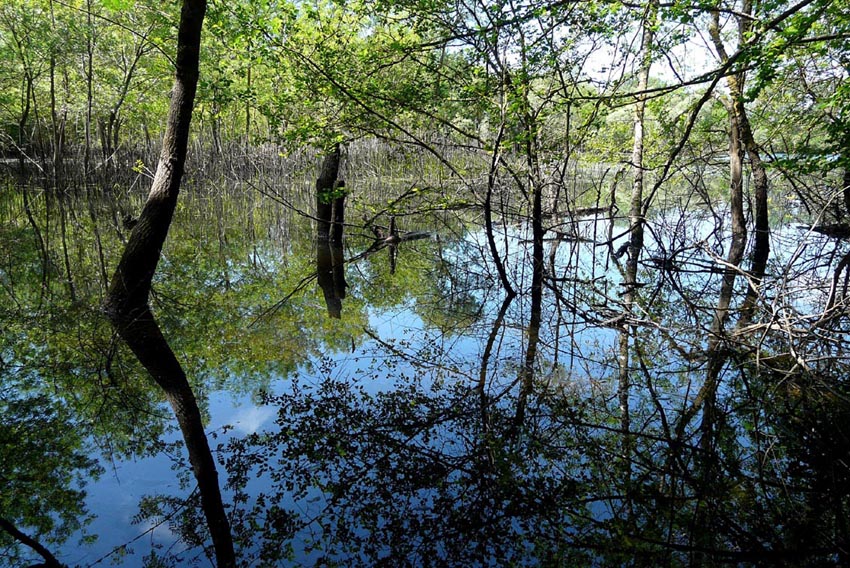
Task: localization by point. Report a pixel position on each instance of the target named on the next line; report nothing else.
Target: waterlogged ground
(396, 409)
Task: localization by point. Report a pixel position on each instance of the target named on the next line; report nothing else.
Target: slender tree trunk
(22, 123)
(739, 227)
(248, 108)
(705, 398)
(761, 234)
(537, 273)
(57, 124)
(761, 243)
(216, 128)
(127, 302)
(89, 89)
(846, 180)
(488, 214)
(636, 221)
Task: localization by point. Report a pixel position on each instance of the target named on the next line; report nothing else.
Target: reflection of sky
(241, 414)
(585, 353)
(115, 499)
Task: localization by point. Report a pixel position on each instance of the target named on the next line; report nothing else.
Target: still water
(376, 404)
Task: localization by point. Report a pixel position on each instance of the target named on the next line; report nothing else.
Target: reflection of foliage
(435, 472)
(408, 476)
(442, 293)
(43, 467)
(185, 519)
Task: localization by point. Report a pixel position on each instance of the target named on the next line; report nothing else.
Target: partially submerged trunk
(739, 227)
(127, 300)
(761, 234)
(636, 222)
(715, 354)
(761, 241)
(330, 198)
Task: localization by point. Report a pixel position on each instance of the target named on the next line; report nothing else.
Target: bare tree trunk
(761, 234)
(216, 128)
(761, 245)
(636, 221)
(325, 186)
(57, 122)
(127, 302)
(846, 180)
(488, 214)
(739, 226)
(89, 90)
(705, 398)
(22, 123)
(248, 106)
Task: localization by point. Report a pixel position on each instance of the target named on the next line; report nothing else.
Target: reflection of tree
(433, 471)
(43, 467)
(405, 480)
(330, 270)
(127, 303)
(440, 456)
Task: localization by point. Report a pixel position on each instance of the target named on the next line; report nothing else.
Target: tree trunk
(739, 226)
(127, 302)
(22, 122)
(846, 181)
(89, 89)
(761, 245)
(761, 234)
(636, 221)
(57, 123)
(488, 214)
(325, 186)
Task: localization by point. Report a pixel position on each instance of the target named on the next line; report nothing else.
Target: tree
(127, 302)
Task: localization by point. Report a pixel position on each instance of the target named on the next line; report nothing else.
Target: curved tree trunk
(127, 302)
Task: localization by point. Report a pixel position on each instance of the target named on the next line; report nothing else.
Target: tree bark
(636, 221)
(761, 242)
(89, 89)
(846, 181)
(325, 186)
(127, 301)
(739, 226)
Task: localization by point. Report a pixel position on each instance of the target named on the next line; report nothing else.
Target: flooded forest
(438, 283)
